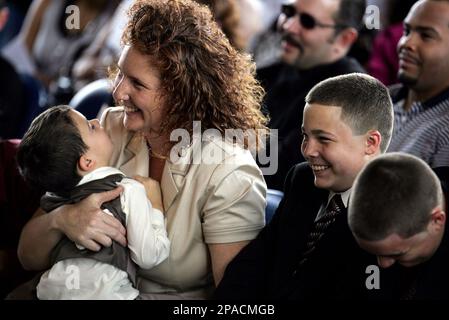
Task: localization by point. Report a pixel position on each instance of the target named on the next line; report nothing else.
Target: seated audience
(53, 36)
(12, 92)
(316, 37)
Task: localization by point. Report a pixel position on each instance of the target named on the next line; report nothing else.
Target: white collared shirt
(147, 241)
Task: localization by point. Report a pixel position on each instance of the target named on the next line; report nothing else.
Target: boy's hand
(153, 189)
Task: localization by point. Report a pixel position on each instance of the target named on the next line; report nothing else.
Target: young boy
(397, 213)
(307, 250)
(68, 156)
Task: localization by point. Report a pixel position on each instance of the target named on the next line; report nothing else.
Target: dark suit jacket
(266, 267)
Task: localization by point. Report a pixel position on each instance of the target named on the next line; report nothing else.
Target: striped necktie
(320, 226)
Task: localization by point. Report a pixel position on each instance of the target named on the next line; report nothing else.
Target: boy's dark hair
(49, 151)
(394, 193)
(365, 102)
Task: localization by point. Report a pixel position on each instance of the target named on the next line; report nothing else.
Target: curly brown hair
(203, 78)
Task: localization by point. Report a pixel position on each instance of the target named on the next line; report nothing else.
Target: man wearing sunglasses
(317, 35)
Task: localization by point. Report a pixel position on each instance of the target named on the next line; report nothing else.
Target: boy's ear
(85, 163)
(438, 218)
(373, 141)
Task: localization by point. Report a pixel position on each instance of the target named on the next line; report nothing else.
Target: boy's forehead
(320, 117)
(74, 115)
(78, 119)
(322, 110)
(323, 105)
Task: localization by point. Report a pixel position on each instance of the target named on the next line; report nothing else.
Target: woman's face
(137, 89)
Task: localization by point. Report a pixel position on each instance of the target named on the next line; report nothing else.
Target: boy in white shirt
(68, 156)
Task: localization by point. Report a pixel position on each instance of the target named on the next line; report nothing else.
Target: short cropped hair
(366, 103)
(394, 193)
(49, 151)
(350, 13)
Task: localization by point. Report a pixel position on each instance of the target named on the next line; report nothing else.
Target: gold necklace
(155, 154)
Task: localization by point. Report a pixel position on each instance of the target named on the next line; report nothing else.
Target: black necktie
(320, 226)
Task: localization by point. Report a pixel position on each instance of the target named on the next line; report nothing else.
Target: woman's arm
(84, 223)
(37, 238)
(221, 255)
(234, 212)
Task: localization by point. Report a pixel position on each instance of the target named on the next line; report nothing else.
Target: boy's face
(408, 252)
(335, 155)
(95, 137)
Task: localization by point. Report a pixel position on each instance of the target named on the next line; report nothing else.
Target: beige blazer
(205, 202)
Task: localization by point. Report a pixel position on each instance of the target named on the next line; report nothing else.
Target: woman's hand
(153, 189)
(87, 225)
(84, 223)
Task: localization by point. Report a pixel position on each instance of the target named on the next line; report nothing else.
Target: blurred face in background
(308, 32)
(424, 48)
(4, 13)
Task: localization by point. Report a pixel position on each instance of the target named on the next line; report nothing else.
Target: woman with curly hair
(178, 78)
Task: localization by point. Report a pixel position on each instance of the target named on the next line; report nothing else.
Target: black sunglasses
(306, 20)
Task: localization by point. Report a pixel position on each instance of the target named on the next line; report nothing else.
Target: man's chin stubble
(406, 80)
